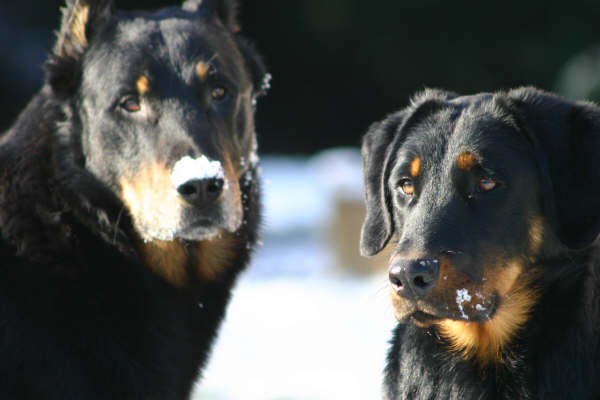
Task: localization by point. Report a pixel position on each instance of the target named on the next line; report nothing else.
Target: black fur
(81, 316)
(541, 152)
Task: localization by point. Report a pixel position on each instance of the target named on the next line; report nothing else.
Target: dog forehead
(169, 36)
(472, 124)
(162, 46)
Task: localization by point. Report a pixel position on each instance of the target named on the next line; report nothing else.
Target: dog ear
(225, 10)
(261, 80)
(378, 226)
(566, 140)
(80, 20)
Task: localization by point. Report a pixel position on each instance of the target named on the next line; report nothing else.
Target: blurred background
(311, 319)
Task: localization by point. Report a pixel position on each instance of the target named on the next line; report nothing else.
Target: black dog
(128, 203)
(494, 205)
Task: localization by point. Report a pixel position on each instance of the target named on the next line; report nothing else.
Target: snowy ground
(298, 329)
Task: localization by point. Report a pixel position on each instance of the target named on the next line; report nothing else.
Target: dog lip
(423, 317)
(422, 313)
(197, 232)
(423, 320)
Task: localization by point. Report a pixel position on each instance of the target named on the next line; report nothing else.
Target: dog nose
(414, 279)
(201, 192)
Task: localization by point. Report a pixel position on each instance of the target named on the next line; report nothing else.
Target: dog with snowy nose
(491, 205)
(129, 202)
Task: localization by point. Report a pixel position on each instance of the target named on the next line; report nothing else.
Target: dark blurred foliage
(338, 65)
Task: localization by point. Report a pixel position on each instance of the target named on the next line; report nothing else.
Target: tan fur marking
(466, 161)
(78, 23)
(152, 201)
(415, 167)
(213, 256)
(202, 70)
(142, 85)
(536, 235)
(232, 177)
(167, 259)
(156, 207)
(485, 341)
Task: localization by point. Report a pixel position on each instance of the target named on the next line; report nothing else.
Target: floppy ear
(566, 140)
(80, 20)
(225, 10)
(378, 227)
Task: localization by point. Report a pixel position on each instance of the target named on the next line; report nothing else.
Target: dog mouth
(458, 305)
(423, 319)
(201, 228)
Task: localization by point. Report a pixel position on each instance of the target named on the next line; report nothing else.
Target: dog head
(479, 192)
(163, 104)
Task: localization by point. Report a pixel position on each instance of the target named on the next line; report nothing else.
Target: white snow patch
(462, 296)
(188, 168)
(479, 307)
(254, 159)
(281, 333)
(291, 309)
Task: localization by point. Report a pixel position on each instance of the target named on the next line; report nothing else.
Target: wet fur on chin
(485, 341)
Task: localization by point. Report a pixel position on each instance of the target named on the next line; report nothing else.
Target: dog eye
(406, 185)
(486, 184)
(130, 104)
(218, 93)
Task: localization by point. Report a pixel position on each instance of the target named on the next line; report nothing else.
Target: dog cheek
(232, 202)
(152, 202)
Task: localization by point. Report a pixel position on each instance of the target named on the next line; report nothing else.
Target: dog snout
(414, 279)
(201, 192)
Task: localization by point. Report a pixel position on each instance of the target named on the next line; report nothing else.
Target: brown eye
(407, 187)
(218, 93)
(486, 184)
(130, 104)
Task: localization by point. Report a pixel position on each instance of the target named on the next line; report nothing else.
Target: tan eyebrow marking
(142, 85)
(202, 70)
(415, 167)
(466, 161)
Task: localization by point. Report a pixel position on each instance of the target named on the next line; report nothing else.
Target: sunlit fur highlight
(415, 167)
(466, 161)
(152, 201)
(168, 259)
(78, 23)
(233, 195)
(215, 254)
(484, 341)
(142, 85)
(536, 235)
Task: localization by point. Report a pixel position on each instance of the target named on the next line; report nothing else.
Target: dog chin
(195, 229)
(199, 233)
(425, 318)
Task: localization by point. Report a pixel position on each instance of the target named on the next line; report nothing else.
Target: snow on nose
(191, 169)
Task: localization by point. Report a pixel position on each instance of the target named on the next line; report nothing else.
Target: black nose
(201, 192)
(414, 279)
